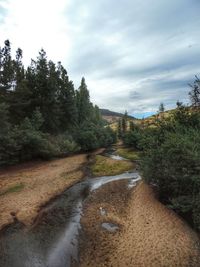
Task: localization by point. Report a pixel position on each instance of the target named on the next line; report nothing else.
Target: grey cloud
(156, 38)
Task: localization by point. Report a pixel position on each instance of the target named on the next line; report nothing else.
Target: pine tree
(97, 115)
(119, 128)
(161, 111)
(6, 70)
(124, 123)
(131, 126)
(67, 99)
(4, 119)
(161, 108)
(83, 103)
(195, 93)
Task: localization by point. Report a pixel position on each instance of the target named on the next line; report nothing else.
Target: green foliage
(13, 189)
(122, 125)
(173, 164)
(65, 144)
(91, 136)
(41, 114)
(195, 93)
(161, 107)
(132, 138)
(119, 128)
(87, 140)
(171, 159)
(84, 106)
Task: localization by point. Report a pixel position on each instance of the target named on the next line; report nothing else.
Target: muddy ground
(25, 188)
(149, 235)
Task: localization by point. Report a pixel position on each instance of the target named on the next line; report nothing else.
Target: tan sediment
(150, 235)
(41, 181)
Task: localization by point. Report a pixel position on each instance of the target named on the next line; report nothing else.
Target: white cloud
(37, 24)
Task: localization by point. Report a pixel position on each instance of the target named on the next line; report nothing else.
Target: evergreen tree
(6, 69)
(124, 122)
(131, 126)
(161, 111)
(119, 128)
(4, 119)
(83, 103)
(41, 115)
(67, 99)
(195, 93)
(161, 108)
(179, 104)
(97, 115)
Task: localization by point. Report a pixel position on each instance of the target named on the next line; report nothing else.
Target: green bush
(64, 144)
(133, 138)
(171, 160)
(174, 166)
(90, 136)
(87, 140)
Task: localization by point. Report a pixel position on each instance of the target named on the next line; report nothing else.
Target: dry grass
(107, 166)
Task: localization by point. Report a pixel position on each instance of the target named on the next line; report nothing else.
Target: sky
(133, 54)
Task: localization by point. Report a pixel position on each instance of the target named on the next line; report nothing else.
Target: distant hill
(107, 112)
(112, 116)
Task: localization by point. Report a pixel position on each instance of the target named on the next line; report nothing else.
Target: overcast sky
(134, 54)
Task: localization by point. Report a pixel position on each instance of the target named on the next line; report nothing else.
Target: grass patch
(129, 153)
(13, 189)
(106, 166)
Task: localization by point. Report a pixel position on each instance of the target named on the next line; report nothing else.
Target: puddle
(110, 227)
(132, 183)
(117, 157)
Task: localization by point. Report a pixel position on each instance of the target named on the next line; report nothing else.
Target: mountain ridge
(107, 112)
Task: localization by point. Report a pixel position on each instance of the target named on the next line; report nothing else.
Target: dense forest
(41, 113)
(171, 154)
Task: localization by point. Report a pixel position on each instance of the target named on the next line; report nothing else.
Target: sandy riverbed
(150, 235)
(41, 182)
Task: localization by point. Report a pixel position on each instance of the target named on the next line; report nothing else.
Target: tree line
(42, 115)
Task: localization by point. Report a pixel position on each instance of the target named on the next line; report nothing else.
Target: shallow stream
(53, 239)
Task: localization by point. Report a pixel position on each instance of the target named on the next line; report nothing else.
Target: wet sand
(149, 235)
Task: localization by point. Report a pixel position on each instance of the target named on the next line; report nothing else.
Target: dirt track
(150, 235)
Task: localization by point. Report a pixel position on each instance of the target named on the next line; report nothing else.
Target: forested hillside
(41, 113)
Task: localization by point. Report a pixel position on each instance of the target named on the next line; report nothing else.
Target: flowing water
(53, 240)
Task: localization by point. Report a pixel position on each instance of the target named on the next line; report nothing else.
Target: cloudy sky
(134, 54)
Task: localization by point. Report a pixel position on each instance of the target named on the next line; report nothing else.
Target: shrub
(90, 136)
(87, 140)
(175, 167)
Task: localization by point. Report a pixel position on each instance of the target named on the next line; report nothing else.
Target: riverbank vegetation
(171, 160)
(41, 113)
(130, 154)
(105, 166)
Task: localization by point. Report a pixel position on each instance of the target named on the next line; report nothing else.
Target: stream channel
(53, 239)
